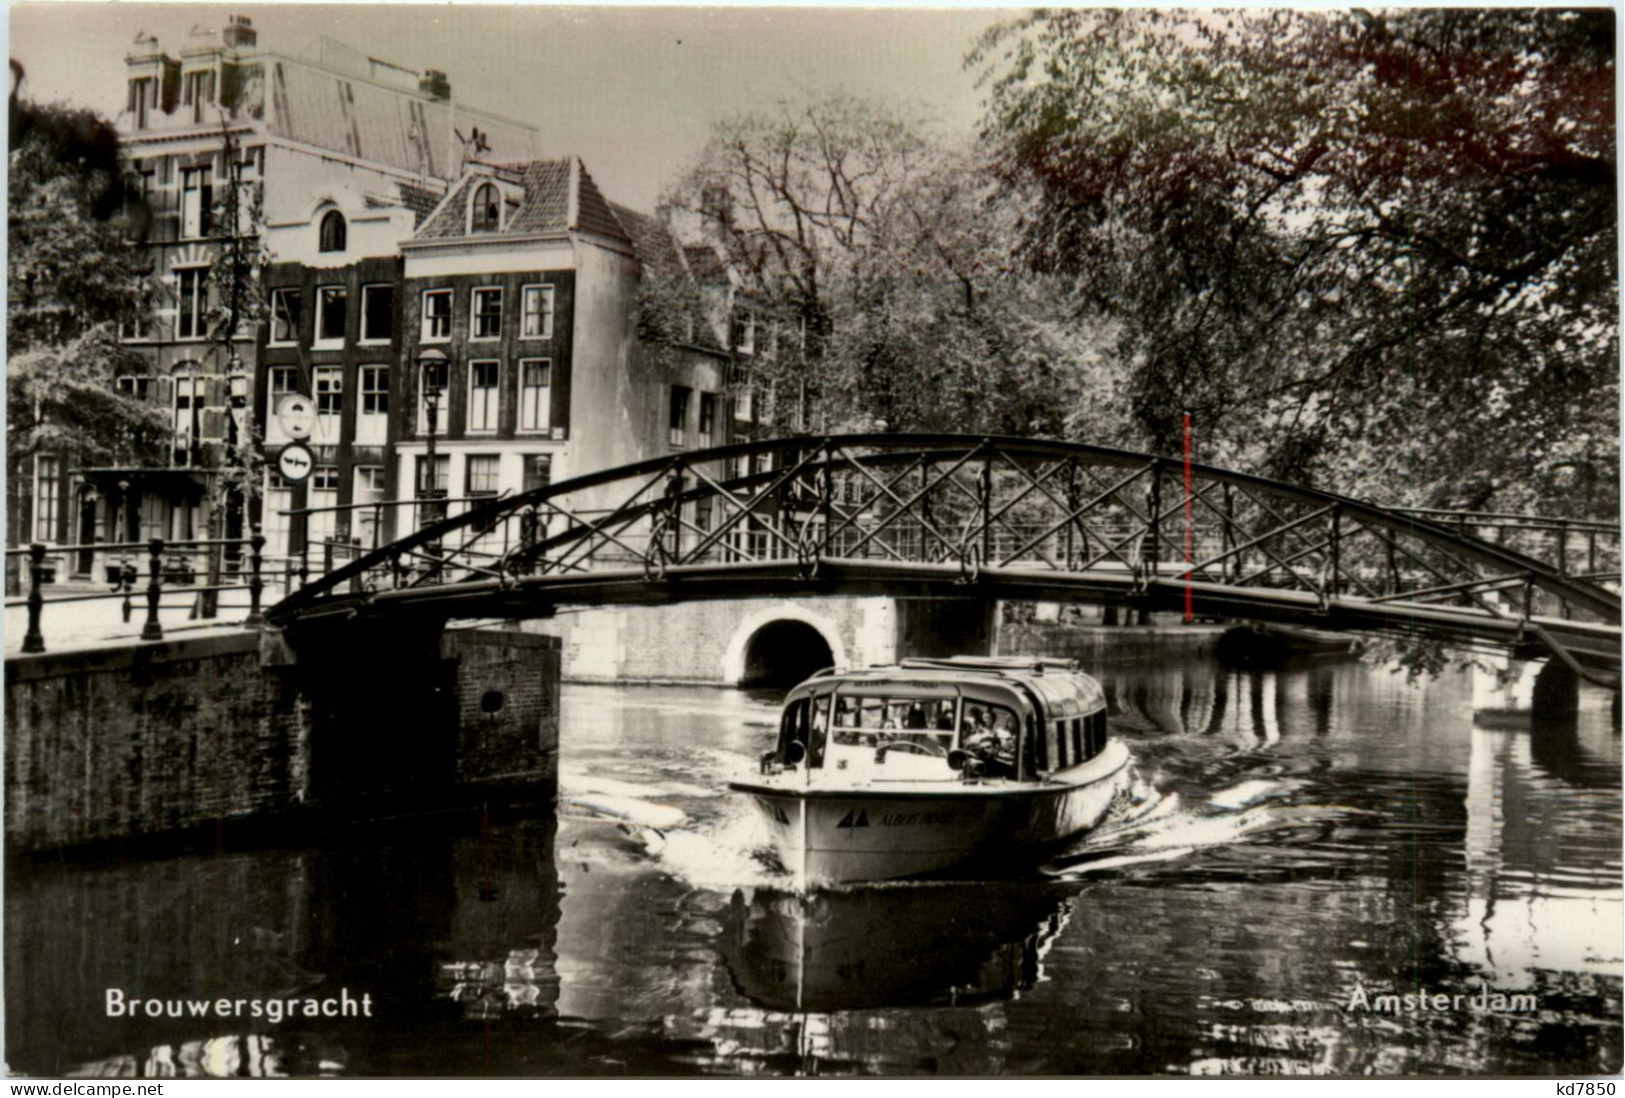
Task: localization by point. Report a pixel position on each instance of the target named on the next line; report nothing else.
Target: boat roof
(1058, 684)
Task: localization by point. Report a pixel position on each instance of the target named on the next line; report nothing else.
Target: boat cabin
(1011, 718)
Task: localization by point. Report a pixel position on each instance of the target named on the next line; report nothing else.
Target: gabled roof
(652, 242)
(420, 200)
(555, 196)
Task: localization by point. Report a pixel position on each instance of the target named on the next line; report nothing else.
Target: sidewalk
(73, 625)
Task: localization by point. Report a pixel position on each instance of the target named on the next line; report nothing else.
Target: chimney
(240, 33)
(433, 83)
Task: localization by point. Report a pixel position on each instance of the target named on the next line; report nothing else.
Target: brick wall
(135, 740)
(143, 739)
(507, 690)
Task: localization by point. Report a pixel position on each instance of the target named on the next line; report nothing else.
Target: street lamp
(434, 368)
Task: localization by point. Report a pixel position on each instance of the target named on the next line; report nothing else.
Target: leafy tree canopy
(1373, 252)
(72, 278)
(882, 254)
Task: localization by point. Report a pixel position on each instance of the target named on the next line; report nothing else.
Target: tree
(73, 278)
(881, 256)
(1376, 253)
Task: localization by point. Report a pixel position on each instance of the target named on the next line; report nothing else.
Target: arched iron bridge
(935, 515)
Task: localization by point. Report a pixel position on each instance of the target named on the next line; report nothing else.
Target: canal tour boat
(913, 769)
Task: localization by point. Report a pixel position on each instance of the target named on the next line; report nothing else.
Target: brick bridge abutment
(138, 740)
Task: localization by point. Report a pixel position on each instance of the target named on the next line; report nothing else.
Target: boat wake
(1166, 827)
(705, 836)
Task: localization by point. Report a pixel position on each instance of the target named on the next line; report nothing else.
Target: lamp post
(433, 371)
(236, 435)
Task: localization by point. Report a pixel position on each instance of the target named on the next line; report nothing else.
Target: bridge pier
(1504, 690)
(406, 718)
(136, 740)
(1511, 692)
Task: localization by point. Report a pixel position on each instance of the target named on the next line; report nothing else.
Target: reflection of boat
(901, 771)
(901, 946)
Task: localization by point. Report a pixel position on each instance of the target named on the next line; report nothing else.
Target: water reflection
(898, 946)
(1337, 830)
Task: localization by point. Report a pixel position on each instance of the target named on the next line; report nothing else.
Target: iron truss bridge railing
(990, 517)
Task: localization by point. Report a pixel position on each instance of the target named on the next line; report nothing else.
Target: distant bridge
(998, 518)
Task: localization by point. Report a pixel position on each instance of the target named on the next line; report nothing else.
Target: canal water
(1319, 844)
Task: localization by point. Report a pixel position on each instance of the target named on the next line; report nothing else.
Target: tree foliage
(883, 257)
(73, 277)
(1372, 252)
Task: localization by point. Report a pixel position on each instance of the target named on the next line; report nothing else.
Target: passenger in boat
(915, 717)
(982, 741)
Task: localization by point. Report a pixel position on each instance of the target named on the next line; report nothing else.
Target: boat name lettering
(916, 819)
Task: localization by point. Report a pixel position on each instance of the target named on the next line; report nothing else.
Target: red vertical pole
(1190, 534)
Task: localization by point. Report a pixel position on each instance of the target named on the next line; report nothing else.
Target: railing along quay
(178, 570)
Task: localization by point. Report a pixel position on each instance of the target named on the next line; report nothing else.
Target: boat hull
(886, 831)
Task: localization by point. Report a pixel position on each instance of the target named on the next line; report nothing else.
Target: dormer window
(142, 99)
(198, 92)
(485, 214)
(332, 232)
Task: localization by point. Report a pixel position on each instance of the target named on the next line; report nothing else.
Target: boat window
(793, 726)
(1029, 752)
(871, 720)
(989, 733)
(1058, 731)
(1097, 733)
(818, 730)
(1078, 752)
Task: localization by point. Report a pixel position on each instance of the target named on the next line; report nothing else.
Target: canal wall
(144, 739)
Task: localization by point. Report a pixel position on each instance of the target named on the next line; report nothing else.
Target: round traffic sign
(296, 414)
(295, 462)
